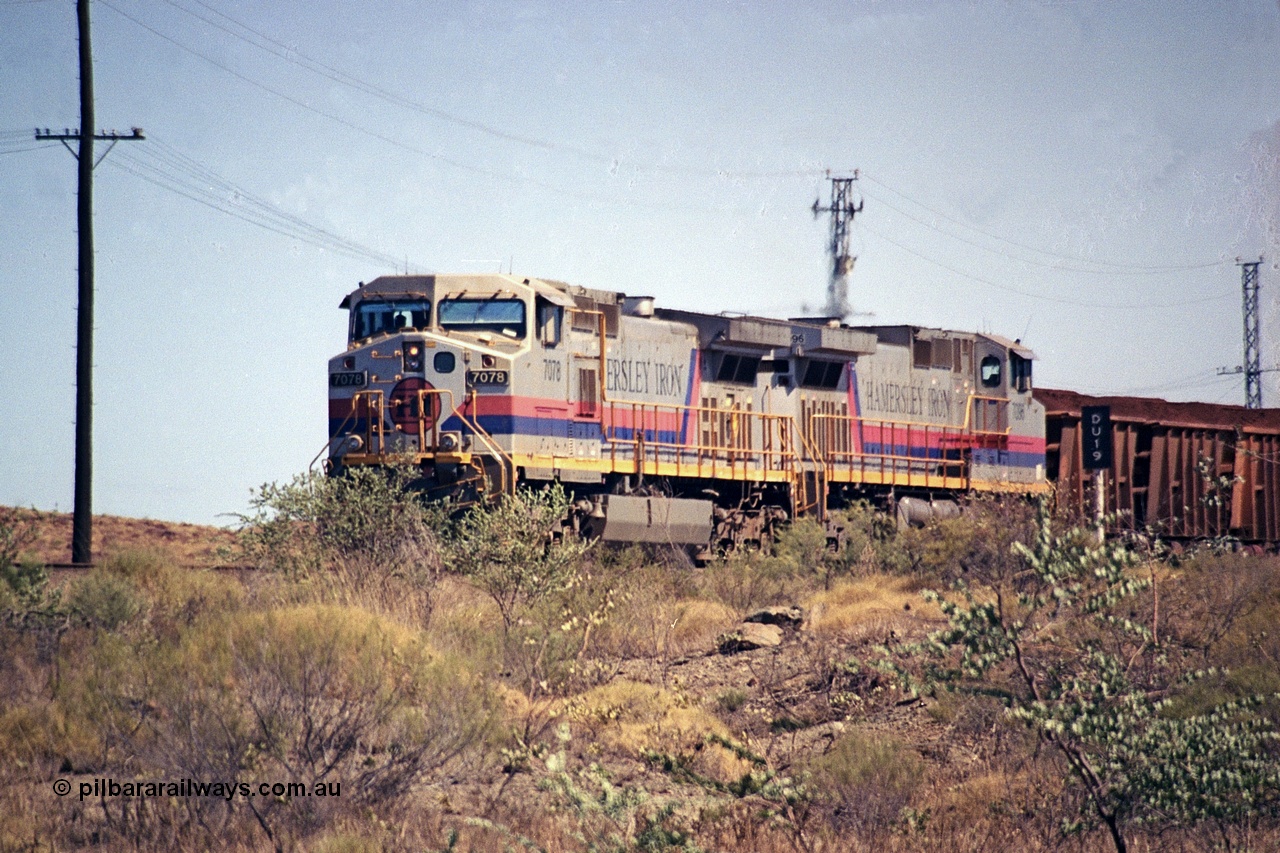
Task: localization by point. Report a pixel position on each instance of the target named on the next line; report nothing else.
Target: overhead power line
(1092, 266)
(291, 55)
(1203, 377)
(170, 169)
(1041, 296)
(19, 141)
(5, 150)
(1200, 380)
(294, 57)
(405, 146)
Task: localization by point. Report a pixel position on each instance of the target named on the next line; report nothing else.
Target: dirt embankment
(188, 544)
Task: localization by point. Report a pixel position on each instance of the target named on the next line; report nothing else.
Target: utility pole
(1252, 366)
(842, 210)
(82, 518)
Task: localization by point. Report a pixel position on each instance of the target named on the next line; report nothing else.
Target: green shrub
(513, 550)
(24, 586)
(549, 598)
(104, 600)
(870, 541)
(977, 546)
(368, 519)
(305, 694)
(365, 539)
(1062, 642)
(24, 581)
(745, 580)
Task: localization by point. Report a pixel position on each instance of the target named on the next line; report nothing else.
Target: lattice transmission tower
(1252, 365)
(1252, 336)
(842, 210)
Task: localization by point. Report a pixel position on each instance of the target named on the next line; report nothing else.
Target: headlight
(412, 354)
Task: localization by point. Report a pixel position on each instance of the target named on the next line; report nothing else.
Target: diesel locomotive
(670, 425)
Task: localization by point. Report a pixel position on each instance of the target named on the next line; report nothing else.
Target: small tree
(513, 551)
(549, 598)
(1061, 641)
(367, 537)
(23, 582)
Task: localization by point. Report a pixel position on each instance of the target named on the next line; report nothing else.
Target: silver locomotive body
(671, 425)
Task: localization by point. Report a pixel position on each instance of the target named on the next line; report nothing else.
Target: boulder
(751, 635)
(786, 617)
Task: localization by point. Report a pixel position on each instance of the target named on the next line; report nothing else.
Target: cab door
(552, 383)
(991, 383)
(588, 427)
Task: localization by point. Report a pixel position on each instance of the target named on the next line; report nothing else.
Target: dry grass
(637, 720)
(664, 628)
(634, 717)
(873, 607)
(975, 782)
(466, 622)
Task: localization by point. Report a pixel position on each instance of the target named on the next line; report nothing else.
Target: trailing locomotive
(667, 425)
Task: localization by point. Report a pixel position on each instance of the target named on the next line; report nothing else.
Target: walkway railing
(709, 442)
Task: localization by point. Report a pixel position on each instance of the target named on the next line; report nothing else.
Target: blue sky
(1081, 175)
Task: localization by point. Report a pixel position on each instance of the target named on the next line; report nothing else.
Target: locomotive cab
(398, 379)
(1004, 403)
(962, 398)
(428, 373)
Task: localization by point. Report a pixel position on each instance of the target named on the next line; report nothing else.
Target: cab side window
(550, 322)
(990, 371)
(1020, 372)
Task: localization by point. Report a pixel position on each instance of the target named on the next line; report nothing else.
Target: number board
(487, 377)
(348, 380)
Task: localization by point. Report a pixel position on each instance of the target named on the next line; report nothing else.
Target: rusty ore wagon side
(1184, 470)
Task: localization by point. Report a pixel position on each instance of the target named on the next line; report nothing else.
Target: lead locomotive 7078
(667, 425)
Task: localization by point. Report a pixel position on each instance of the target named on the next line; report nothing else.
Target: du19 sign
(1095, 422)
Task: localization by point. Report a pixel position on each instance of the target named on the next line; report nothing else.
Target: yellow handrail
(811, 452)
(890, 464)
(733, 443)
(507, 485)
(373, 425)
(1001, 404)
(706, 458)
(435, 418)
